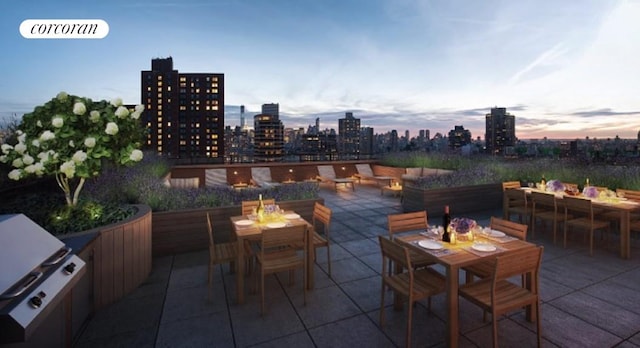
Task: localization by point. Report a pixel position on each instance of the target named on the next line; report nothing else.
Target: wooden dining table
(253, 232)
(453, 258)
(623, 208)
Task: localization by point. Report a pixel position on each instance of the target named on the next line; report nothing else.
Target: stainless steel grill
(37, 271)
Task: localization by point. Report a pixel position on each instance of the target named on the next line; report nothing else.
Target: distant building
(459, 137)
(393, 141)
(500, 131)
(268, 140)
(271, 109)
(366, 142)
(184, 112)
(349, 137)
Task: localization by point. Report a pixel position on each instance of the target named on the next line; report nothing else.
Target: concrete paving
(586, 301)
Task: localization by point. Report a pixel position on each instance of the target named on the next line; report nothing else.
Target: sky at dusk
(565, 69)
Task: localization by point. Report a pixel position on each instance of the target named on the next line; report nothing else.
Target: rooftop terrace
(587, 301)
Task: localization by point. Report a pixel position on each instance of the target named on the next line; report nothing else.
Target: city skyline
(565, 70)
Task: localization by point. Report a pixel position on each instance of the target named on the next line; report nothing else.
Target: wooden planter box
(463, 199)
(182, 231)
(118, 257)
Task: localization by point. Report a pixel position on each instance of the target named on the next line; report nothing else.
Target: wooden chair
(484, 269)
(322, 215)
(632, 195)
(518, 204)
(277, 254)
(579, 213)
(404, 222)
(499, 296)
(219, 253)
(545, 206)
(411, 284)
(511, 185)
(247, 206)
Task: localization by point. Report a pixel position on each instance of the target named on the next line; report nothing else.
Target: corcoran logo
(64, 29)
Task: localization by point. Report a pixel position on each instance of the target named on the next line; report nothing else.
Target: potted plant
(71, 138)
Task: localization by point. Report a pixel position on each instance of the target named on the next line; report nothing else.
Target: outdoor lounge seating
(366, 173)
(413, 174)
(261, 176)
(216, 177)
(326, 173)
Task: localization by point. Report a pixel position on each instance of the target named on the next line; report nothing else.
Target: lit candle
(452, 237)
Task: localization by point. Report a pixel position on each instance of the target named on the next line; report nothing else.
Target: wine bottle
(260, 209)
(446, 221)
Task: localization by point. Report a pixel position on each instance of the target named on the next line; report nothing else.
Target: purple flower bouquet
(590, 192)
(555, 186)
(463, 225)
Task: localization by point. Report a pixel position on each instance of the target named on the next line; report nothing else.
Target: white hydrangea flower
(4, 158)
(121, 112)
(20, 148)
(79, 108)
(71, 143)
(79, 157)
(90, 142)
(31, 169)
(22, 138)
(94, 116)
(136, 155)
(28, 160)
(57, 121)
(47, 135)
(17, 163)
(62, 96)
(135, 115)
(139, 108)
(6, 148)
(39, 166)
(44, 156)
(39, 123)
(68, 168)
(112, 128)
(15, 174)
(116, 102)
(35, 142)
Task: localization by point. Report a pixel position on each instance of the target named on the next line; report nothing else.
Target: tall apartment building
(500, 130)
(268, 140)
(366, 143)
(271, 109)
(349, 137)
(184, 112)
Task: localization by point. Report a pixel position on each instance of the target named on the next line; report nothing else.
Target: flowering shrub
(70, 137)
(555, 186)
(463, 225)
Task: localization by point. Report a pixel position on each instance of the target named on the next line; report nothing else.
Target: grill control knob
(35, 302)
(68, 269)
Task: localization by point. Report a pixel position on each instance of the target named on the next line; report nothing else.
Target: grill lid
(24, 246)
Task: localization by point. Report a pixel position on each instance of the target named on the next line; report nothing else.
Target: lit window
(148, 88)
(159, 83)
(159, 77)
(159, 95)
(159, 113)
(183, 79)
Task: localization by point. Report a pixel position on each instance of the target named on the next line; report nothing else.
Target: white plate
(430, 244)
(291, 216)
(483, 247)
(276, 224)
(244, 222)
(497, 234)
